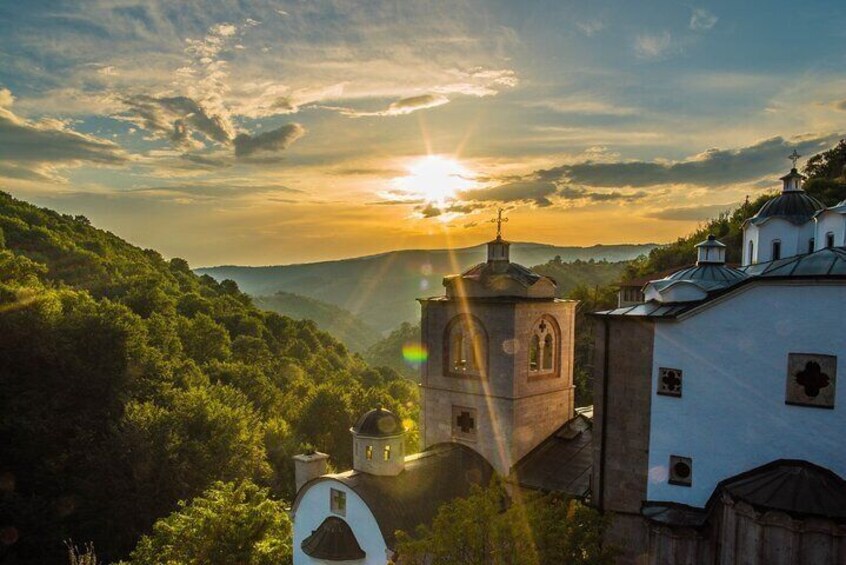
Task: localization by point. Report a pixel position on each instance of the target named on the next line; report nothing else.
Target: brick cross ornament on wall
(465, 422)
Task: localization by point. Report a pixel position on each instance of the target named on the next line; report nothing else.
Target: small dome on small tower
(378, 443)
(378, 423)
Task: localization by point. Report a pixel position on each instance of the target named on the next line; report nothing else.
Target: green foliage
(590, 300)
(338, 322)
(387, 352)
(489, 529)
(129, 384)
(229, 523)
(571, 276)
(829, 164)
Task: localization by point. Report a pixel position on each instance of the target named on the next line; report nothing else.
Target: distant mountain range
(381, 289)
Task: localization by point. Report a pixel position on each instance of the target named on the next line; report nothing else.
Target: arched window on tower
(829, 239)
(751, 252)
(466, 353)
(548, 352)
(534, 353)
(543, 348)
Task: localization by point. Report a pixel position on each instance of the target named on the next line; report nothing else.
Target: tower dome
(378, 443)
(793, 204)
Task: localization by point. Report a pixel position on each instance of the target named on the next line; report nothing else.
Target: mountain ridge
(382, 289)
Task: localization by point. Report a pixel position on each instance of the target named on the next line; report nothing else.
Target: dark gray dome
(795, 206)
(378, 423)
(709, 272)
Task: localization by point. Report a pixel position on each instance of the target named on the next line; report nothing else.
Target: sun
(436, 179)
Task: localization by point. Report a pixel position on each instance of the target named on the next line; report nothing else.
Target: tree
(389, 352)
(229, 523)
(829, 164)
(487, 528)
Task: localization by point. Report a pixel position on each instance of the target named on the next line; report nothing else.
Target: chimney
(308, 466)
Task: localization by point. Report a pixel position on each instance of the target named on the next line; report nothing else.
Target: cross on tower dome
(499, 220)
(795, 156)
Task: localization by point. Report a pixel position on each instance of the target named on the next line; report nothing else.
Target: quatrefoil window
(811, 380)
(669, 381)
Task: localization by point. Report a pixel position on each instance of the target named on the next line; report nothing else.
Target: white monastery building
(720, 422)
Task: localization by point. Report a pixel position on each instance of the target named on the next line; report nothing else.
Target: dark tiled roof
(828, 263)
(333, 540)
(795, 206)
(484, 272)
(378, 423)
(436, 476)
(793, 486)
(561, 463)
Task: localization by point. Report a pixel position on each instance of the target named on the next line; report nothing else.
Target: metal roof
(797, 487)
(794, 486)
(827, 263)
(795, 206)
(333, 540)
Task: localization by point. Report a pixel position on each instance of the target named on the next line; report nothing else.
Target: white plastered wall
(314, 507)
(732, 416)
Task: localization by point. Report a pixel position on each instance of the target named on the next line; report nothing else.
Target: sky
(274, 132)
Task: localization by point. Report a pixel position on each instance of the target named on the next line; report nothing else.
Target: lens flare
(414, 353)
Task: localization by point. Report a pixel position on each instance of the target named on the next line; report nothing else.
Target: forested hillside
(129, 383)
(339, 323)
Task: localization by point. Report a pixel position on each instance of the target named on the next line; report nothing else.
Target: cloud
(537, 191)
(714, 167)
(401, 107)
(652, 45)
(574, 193)
(6, 98)
(269, 141)
(32, 150)
(176, 118)
(840, 105)
(690, 213)
(431, 210)
(702, 20)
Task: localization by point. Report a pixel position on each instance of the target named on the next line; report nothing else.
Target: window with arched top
(548, 352)
(776, 250)
(751, 252)
(544, 345)
(466, 347)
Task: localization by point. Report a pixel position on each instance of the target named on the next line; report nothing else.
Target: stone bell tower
(499, 374)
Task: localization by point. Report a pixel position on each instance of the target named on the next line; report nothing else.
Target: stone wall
(512, 411)
(621, 430)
